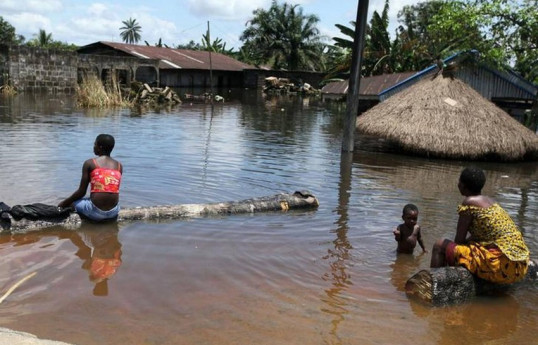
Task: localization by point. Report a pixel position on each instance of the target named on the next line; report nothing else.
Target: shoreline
(13, 337)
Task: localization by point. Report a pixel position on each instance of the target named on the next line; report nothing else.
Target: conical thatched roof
(444, 117)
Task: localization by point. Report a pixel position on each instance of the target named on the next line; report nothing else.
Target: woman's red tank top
(105, 180)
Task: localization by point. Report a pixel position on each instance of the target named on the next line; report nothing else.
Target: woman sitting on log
(495, 250)
(103, 174)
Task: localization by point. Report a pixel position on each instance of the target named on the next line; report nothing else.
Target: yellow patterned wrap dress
(497, 251)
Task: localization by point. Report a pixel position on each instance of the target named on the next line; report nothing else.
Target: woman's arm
(464, 221)
(83, 186)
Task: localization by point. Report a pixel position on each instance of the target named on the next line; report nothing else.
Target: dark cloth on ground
(39, 211)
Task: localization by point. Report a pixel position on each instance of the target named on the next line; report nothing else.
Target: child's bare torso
(407, 238)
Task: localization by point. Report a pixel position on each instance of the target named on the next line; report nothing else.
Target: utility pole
(209, 47)
(352, 108)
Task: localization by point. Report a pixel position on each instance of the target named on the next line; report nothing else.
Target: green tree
(378, 55)
(131, 31)
(415, 45)
(217, 46)
(504, 32)
(42, 39)
(284, 37)
(159, 44)
(8, 35)
(378, 45)
(190, 46)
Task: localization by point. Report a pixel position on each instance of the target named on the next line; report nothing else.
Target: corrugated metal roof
(369, 86)
(179, 58)
(507, 84)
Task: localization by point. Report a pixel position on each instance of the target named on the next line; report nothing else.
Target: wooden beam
(279, 202)
(454, 285)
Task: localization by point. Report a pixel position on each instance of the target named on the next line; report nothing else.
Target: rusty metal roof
(173, 58)
(370, 86)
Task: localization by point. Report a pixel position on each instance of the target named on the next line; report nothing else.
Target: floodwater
(323, 276)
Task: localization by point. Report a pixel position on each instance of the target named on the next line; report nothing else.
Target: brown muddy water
(324, 276)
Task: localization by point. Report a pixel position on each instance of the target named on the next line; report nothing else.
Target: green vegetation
(217, 46)
(507, 31)
(504, 32)
(8, 35)
(131, 31)
(159, 44)
(44, 40)
(283, 37)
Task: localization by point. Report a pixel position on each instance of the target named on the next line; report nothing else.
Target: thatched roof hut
(444, 117)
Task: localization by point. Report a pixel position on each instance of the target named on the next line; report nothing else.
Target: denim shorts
(86, 208)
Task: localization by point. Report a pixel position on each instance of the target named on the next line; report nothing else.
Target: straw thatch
(444, 117)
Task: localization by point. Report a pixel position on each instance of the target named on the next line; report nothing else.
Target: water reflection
(483, 321)
(403, 267)
(339, 256)
(17, 108)
(99, 248)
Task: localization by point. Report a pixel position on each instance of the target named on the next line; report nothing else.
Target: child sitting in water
(408, 233)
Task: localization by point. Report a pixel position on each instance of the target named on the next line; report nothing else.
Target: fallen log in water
(453, 285)
(279, 202)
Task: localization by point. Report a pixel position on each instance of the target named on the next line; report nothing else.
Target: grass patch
(7, 89)
(91, 92)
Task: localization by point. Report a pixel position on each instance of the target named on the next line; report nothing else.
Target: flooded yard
(324, 276)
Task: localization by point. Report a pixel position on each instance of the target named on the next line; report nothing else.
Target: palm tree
(217, 46)
(43, 38)
(284, 37)
(377, 55)
(131, 31)
(159, 44)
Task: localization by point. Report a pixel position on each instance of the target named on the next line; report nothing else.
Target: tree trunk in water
(279, 202)
(453, 285)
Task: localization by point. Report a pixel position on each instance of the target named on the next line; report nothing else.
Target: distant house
(506, 89)
(370, 88)
(173, 67)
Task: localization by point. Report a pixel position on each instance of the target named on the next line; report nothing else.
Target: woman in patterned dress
(488, 242)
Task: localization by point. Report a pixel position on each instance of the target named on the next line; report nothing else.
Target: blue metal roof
(528, 89)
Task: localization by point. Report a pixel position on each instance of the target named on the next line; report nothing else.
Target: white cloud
(85, 21)
(33, 6)
(230, 10)
(98, 9)
(30, 22)
(154, 28)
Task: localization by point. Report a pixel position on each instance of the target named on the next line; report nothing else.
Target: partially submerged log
(454, 285)
(279, 202)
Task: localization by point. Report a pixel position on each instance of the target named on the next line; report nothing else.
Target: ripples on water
(325, 276)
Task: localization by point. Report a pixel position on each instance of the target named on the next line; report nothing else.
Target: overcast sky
(174, 21)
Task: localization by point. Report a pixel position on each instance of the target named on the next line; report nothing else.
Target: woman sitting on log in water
(495, 250)
(103, 174)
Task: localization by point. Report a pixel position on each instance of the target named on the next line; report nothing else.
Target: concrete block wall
(42, 70)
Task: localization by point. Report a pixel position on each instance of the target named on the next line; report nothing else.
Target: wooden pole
(354, 78)
(210, 63)
(279, 202)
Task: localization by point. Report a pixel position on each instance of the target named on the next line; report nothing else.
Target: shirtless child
(408, 234)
